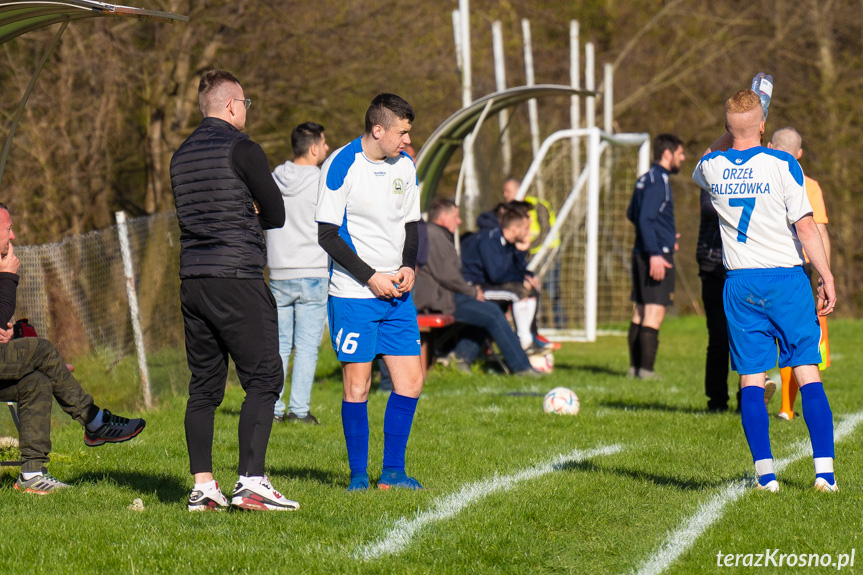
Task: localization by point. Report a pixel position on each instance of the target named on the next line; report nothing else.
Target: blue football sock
(397, 428)
(355, 422)
(756, 423)
(819, 420)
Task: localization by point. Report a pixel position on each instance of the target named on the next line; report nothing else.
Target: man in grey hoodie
(299, 270)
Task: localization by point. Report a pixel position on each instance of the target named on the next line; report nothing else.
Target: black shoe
(278, 419)
(114, 429)
(309, 418)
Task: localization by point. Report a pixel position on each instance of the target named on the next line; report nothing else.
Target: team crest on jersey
(398, 186)
(738, 161)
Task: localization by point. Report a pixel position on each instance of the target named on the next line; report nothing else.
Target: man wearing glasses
(225, 199)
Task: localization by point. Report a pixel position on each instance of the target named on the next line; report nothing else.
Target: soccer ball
(543, 363)
(562, 401)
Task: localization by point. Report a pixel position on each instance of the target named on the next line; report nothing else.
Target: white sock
(96, 423)
(523, 312)
(209, 485)
(251, 479)
(28, 475)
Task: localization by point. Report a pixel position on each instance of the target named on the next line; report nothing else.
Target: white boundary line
(401, 534)
(710, 512)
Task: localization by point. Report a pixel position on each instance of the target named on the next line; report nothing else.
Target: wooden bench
(429, 325)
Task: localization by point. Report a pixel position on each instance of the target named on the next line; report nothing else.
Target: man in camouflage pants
(32, 372)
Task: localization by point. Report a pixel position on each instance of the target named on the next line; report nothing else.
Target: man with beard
(651, 209)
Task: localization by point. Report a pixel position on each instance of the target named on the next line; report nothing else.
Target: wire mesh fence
(74, 294)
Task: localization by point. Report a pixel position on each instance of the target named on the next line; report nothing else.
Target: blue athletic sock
(756, 423)
(397, 428)
(819, 420)
(355, 422)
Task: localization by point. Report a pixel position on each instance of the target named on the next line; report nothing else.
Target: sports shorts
(766, 308)
(361, 329)
(645, 289)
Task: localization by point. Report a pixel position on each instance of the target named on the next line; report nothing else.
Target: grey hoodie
(293, 251)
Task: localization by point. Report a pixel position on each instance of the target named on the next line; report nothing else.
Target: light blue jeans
(302, 307)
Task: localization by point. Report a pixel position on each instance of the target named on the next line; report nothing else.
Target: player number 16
(350, 344)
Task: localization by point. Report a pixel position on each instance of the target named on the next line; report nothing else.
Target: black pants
(716, 366)
(235, 317)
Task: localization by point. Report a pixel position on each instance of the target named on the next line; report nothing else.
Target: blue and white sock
(96, 423)
(397, 428)
(756, 425)
(355, 422)
(819, 420)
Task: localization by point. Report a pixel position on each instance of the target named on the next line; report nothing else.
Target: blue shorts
(769, 306)
(361, 329)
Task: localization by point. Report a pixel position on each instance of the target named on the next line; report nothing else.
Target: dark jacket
(651, 209)
(708, 252)
(440, 277)
(8, 297)
(221, 236)
(488, 259)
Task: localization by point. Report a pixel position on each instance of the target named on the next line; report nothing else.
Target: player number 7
(748, 204)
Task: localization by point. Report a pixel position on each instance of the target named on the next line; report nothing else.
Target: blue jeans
(302, 308)
(488, 317)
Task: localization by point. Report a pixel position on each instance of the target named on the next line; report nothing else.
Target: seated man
(494, 258)
(31, 372)
(441, 288)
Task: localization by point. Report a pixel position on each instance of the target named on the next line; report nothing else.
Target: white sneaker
(260, 496)
(824, 487)
(207, 500)
(772, 486)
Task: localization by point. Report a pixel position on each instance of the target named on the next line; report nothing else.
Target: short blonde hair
(742, 102)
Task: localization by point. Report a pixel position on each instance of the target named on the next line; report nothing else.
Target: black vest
(220, 235)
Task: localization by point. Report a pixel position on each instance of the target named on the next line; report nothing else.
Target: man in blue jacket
(494, 258)
(651, 209)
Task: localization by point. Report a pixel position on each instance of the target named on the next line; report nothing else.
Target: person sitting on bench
(31, 373)
(441, 288)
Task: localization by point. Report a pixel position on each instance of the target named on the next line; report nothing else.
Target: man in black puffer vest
(225, 198)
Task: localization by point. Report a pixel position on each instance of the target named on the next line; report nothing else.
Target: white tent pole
(589, 84)
(500, 84)
(532, 112)
(575, 101)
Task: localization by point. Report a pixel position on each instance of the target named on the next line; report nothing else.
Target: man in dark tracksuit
(225, 198)
(652, 211)
(32, 373)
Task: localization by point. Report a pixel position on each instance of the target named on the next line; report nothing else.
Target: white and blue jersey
(759, 195)
(370, 202)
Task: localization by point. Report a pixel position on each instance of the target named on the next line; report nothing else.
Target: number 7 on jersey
(748, 204)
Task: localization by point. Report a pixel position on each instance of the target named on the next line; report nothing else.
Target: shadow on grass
(639, 406)
(591, 369)
(661, 480)
(308, 474)
(168, 489)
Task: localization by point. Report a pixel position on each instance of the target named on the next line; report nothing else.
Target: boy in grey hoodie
(299, 270)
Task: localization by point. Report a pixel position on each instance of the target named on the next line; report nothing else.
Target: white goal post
(598, 142)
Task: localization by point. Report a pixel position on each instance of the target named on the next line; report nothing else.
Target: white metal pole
(532, 112)
(500, 85)
(591, 255)
(470, 181)
(575, 101)
(131, 293)
(590, 101)
(608, 98)
(644, 157)
(456, 38)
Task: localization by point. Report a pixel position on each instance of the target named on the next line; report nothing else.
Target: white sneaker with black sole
(207, 499)
(260, 496)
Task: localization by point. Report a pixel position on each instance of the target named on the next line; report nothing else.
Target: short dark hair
(304, 136)
(210, 81)
(440, 206)
(510, 215)
(386, 109)
(664, 142)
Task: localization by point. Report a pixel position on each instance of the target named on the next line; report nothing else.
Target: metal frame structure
(22, 16)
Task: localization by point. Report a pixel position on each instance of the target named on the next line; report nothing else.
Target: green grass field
(651, 483)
